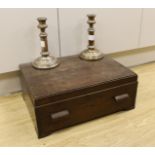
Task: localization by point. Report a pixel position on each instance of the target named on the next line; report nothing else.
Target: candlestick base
(91, 54)
(47, 62)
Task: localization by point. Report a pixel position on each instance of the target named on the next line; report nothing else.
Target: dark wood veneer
(76, 91)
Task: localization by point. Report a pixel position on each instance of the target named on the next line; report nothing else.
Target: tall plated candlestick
(91, 53)
(45, 61)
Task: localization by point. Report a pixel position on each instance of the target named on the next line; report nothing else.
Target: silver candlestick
(45, 61)
(91, 53)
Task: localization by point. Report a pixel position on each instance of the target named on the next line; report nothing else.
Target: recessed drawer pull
(60, 114)
(121, 98)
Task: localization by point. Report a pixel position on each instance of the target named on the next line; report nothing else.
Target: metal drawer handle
(60, 114)
(121, 98)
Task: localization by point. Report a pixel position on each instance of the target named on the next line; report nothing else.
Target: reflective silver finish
(45, 61)
(91, 53)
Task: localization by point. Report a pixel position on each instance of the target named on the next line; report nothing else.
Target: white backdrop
(19, 36)
(116, 30)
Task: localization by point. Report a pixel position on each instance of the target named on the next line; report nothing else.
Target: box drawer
(61, 114)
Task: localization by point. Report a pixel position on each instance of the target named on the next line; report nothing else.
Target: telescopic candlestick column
(45, 61)
(91, 53)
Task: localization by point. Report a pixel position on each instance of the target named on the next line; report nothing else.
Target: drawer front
(83, 108)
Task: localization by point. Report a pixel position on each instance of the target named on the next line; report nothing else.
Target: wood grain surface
(85, 89)
(130, 128)
(74, 76)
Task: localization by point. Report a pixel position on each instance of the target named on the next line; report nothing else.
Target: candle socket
(45, 61)
(91, 53)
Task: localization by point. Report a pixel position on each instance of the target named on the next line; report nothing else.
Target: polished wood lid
(74, 77)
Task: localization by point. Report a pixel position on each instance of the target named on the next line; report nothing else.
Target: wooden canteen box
(76, 91)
